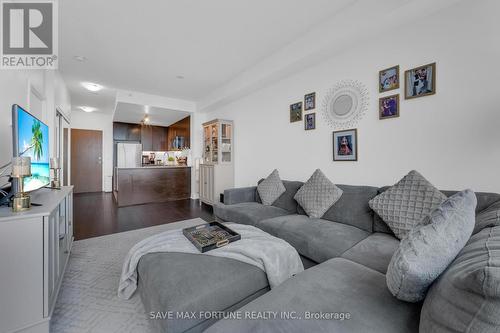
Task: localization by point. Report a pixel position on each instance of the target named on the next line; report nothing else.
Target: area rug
(88, 301)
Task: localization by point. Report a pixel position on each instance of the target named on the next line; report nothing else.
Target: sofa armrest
(238, 195)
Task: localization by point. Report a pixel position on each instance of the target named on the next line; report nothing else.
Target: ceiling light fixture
(80, 58)
(87, 108)
(146, 119)
(146, 109)
(92, 86)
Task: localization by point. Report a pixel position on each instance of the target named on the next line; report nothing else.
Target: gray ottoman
(173, 284)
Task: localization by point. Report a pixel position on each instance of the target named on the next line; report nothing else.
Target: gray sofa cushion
(352, 207)
(178, 282)
(286, 200)
(315, 239)
(271, 188)
(317, 195)
(241, 194)
(374, 252)
(490, 217)
(247, 212)
(404, 205)
(430, 247)
(338, 285)
(466, 298)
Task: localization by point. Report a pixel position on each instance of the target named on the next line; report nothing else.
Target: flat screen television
(31, 138)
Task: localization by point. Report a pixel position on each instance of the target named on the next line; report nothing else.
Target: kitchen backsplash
(164, 155)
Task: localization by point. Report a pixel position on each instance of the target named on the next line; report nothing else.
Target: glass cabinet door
(215, 143)
(207, 145)
(226, 144)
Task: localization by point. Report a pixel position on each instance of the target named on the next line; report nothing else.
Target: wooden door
(86, 160)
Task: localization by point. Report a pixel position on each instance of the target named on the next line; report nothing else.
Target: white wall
(452, 138)
(101, 122)
(16, 87)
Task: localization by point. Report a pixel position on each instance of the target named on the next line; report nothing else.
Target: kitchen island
(151, 184)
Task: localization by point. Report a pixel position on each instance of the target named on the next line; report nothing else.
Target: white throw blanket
(273, 255)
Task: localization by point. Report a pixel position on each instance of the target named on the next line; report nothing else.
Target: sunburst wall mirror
(345, 104)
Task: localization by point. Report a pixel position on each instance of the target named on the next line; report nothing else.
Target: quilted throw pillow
(406, 203)
(271, 188)
(317, 195)
(429, 248)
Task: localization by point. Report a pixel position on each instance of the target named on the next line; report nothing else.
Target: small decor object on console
(317, 195)
(296, 112)
(310, 101)
(271, 188)
(345, 145)
(420, 81)
(55, 167)
(209, 236)
(388, 107)
(310, 121)
(405, 204)
(21, 168)
(429, 248)
(388, 79)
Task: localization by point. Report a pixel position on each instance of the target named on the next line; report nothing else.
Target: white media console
(34, 251)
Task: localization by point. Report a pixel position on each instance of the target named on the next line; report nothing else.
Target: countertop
(157, 167)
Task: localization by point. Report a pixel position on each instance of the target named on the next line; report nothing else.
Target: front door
(86, 160)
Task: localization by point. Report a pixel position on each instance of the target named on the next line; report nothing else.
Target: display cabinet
(216, 171)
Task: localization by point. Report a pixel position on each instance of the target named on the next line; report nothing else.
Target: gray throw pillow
(428, 249)
(405, 204)
(271, 188)
(466, 297)
(317, 195)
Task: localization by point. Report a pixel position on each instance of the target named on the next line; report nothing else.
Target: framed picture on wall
(296, 112)
(420, 81)
(310, 101)
(388, 107)
(388, 79)
(345, 145)
(310, 121)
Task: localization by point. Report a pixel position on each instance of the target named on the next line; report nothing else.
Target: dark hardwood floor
(96, 214)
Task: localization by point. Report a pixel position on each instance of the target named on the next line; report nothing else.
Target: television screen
(31, 138)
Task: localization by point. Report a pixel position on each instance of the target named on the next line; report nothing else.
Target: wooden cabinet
(34, 250)
(126, 132)
(180, 129)
(147, 137)
(155, 138)
(159, 138)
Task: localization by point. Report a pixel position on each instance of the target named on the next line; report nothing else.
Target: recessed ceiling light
(180, 77)
(80, 58)
(146, 119)
(87, 108)
(92, 86)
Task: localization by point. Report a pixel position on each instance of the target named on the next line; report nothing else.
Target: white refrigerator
(128, 155)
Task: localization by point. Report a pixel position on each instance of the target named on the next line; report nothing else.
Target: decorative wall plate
(345, 104)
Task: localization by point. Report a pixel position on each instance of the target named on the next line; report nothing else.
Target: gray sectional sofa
(348, 251)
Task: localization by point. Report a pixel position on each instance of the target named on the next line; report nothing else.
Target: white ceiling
(134, 113)
(222, 48)
(144, 45)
